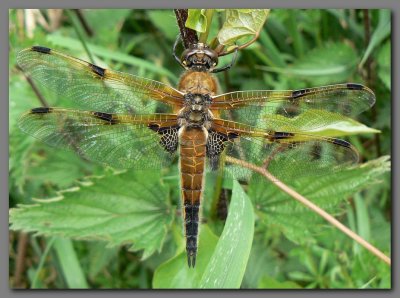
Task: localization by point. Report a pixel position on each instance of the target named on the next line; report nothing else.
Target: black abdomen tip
(40, 49)
(41, 110)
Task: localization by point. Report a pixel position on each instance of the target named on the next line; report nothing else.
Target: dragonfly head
(199, 57)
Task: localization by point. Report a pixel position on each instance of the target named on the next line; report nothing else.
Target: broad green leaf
(165, 21)
(326, 64)
(241, 23)
(106, 24)
(384, 64)
(69, 263)
(197, 20)
(271, 283)
(381, 32)
(275, 208)
(127, 208)
(175, 273)
(75, 45)
(229, 260)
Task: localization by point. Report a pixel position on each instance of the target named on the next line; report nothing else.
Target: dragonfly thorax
(195, 111)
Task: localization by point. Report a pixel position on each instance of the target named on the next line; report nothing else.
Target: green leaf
(197, 20)
(106, 23)
(326, 64)
(127, 208)
(69, 263)
(241, 23)
(271, 283)
(320, 123)
(229, 260)
(165, 21)
(381, 32)
(75, 45)
(175, 273)
(384, 64)
(294, 220)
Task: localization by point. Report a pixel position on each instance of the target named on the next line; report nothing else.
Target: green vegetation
(95, 227)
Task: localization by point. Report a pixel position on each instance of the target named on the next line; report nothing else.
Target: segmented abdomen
(192, 161)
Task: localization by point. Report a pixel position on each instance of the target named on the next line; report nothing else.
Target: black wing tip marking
(97, 70)
(41, 49)
(105, 117)
(341, 143)
(41, 110)
(354, 86)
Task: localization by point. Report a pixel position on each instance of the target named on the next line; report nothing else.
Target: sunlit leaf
(241, 23)
(197, 20)
(175, 273)
(229, 260)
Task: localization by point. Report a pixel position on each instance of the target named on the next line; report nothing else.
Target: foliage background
(290, 249)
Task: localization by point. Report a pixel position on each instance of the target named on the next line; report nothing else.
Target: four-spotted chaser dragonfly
(132, 122)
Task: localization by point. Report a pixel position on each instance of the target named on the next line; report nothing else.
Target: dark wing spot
(353, 86)
(300, 92)
(106, 117)
(41, 110)
(97, 70)
(341, 143)
(40, 49)
(279, 135)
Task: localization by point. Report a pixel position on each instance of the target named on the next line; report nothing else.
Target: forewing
(121, 141)
(309, 108)
(94, 88)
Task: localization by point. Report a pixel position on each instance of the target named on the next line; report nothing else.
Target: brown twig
(34, 88)
(20, 260)
(189, 36)
(295, 195)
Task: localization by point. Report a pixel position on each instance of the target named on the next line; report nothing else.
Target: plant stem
(295, 195)
(76, 26)
(203, 36)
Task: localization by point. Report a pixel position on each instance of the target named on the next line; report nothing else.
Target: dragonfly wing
(287, 155)
(121, 141)
(296, 110)
(94, 88)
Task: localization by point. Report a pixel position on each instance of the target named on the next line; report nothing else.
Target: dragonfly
(125, 121)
